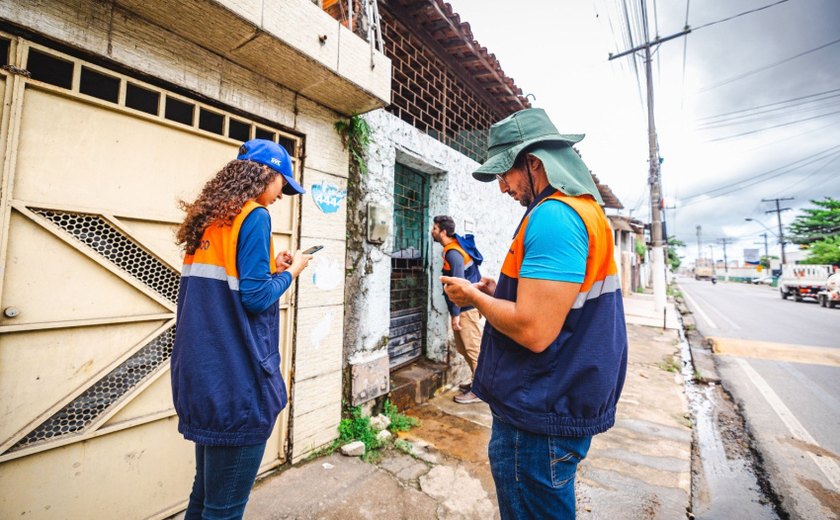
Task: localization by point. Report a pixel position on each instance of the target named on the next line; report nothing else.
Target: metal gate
(93, 163)
(409, 266)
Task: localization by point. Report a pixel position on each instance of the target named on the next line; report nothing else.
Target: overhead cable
(738, 15)
(799, 163)
(761, 69)
(733, 136)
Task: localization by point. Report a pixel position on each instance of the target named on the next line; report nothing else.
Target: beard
(526, 199)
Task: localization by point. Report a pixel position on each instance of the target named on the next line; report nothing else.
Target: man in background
(461, 260)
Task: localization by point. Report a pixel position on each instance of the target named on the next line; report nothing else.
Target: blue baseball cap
(275, 157)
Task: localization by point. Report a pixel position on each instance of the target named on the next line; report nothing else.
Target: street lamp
(781, 242)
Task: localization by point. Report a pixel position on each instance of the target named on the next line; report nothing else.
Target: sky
(745, 109)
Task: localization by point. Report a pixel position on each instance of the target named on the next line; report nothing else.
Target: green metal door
(409, 266)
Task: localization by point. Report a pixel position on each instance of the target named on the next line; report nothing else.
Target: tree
(825, 251)
(816, 224)
(765, 261)
(818, 230)
(673, 258)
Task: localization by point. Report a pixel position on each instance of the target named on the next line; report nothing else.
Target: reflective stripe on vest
(601, 273)
(215, 257)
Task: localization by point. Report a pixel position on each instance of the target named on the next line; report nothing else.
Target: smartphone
(313, 249)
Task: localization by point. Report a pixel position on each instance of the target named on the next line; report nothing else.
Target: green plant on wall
(641, 248)
(355, 136)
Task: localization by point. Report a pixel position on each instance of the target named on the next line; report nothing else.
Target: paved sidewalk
(640, 469)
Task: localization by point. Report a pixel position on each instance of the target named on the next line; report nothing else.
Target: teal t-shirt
(556, 244)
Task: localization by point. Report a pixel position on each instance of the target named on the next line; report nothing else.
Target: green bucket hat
(513, 134)
(532, 129)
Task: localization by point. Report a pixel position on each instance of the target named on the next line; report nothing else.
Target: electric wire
(793, 136)
(766, 67)
(685, 52)
(781, 125)
(748, 184)
(737, 15)
(788, 189)
(832, 91)
(775, 112)
(630, 37)
(765, 175)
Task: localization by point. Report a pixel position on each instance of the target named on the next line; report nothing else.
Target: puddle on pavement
(724, 482)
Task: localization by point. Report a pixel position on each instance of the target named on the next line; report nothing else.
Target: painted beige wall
(120, 35)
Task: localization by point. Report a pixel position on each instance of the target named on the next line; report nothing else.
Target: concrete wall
(476, 207)
(121, 36)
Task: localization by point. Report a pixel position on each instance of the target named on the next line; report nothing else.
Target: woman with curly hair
(226, 380)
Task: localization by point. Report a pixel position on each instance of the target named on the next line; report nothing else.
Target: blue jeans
(224, 477)
(534, 474)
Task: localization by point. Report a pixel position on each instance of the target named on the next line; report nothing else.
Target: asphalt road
(780, 360)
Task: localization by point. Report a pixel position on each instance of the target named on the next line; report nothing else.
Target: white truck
(803, 281)
(830, 296)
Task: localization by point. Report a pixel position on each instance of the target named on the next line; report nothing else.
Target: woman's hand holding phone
(299, 262)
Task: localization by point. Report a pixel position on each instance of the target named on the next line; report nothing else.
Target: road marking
(829, 468)
(803, 354)
(700, 311)
(731, 323)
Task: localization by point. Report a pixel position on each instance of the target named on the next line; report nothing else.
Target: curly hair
(221, 199)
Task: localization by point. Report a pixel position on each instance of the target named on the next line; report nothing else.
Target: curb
(700, 348)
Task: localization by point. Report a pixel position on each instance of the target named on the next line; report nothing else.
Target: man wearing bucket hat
(554, 348)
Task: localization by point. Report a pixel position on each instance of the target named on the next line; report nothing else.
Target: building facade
(112, 112)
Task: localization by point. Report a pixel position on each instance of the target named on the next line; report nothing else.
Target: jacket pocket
(271, 363)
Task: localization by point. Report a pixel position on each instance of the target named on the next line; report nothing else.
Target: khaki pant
(468, 339)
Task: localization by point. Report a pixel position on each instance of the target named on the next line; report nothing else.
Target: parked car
(763, 280)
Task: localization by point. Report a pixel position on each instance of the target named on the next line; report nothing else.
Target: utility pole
(654, 180)
(766, 252)
(699, 243)
(725, 241)
(712, 259)
(778, 212)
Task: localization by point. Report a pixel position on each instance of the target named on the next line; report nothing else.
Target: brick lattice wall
(428, 96)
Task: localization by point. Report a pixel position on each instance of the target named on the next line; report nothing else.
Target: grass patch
(404, 446)
(670, 364)
(399, 422)
(355, 426)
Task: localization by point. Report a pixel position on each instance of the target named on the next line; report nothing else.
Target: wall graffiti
(327, 196)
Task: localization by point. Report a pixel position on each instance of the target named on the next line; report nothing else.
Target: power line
(739, 15)
(635, 65)
(761, 69)
(835, 91)
(685, 52)
(793, 136)
(788, 190)
(754, 179)
(771, 113)
(727, 137)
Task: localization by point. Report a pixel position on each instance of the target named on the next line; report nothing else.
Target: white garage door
(94, 163)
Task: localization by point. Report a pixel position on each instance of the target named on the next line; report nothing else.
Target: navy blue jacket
(226, 381)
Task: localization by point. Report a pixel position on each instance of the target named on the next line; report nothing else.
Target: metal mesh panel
(97, 234)
(100, 236)
(77, 415)
(409, 262)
